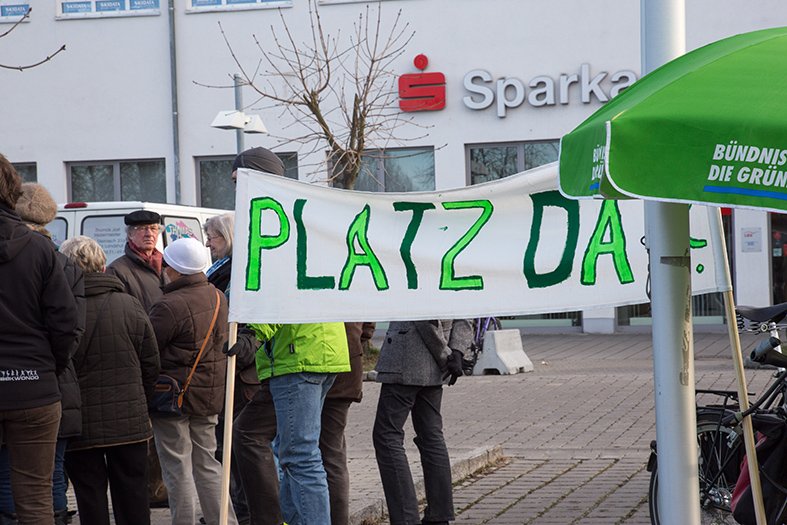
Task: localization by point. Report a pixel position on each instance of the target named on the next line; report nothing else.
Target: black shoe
(64, 517)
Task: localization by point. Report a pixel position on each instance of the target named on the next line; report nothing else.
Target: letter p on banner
(258, 241)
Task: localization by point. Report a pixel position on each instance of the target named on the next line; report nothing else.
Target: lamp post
(238, 120)
(233, 119)
(239, 139)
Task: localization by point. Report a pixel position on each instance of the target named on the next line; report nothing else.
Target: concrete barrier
(503, 354)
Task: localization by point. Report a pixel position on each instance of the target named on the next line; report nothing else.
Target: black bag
(167, 398)
(772, 457)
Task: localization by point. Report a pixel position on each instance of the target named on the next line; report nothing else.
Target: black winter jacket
(71, 398)
(38, 316)
(117, 365)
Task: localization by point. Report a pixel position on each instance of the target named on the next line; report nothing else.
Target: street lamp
(236, 119)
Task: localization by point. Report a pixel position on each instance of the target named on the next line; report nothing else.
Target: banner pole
(723, 275)
(226, 457)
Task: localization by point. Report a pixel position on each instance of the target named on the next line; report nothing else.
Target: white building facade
(124, 113)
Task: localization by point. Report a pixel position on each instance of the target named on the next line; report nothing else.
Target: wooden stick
(226, 458)
(723, 274)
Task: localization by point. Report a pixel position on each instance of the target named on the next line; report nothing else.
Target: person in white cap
(186, 443)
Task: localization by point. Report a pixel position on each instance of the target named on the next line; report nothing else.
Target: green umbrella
(708, 127)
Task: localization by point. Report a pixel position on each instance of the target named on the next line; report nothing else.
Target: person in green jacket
(300, 362)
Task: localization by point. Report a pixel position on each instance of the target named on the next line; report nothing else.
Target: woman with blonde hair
(117, 364)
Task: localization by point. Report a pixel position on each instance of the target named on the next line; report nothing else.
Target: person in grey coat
(416, 358)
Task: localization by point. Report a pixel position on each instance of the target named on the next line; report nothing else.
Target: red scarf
(153, 260)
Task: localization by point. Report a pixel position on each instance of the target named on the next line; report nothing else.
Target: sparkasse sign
(427, 91)
(542, 90)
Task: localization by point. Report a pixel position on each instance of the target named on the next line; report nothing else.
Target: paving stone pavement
(564, 444)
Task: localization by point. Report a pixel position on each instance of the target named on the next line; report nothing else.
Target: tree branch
(29, 66)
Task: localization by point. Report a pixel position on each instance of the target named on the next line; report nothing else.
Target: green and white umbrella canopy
(708, 127)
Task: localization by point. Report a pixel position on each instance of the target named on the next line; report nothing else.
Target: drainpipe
(173, 86)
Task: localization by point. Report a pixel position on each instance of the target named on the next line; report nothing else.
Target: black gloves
(244, 345)
(230, 351)
(468, 365)
(454, 367)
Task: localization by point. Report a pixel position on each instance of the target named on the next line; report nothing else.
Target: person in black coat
(117, 364)
(37, 208)
(38, 327)
(218, 238)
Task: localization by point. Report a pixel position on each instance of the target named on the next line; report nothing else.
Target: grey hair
(85, 252)
(223, 225)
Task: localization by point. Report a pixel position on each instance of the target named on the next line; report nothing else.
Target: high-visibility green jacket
(313, 347)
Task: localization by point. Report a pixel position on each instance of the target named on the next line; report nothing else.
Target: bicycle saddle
(773, 313)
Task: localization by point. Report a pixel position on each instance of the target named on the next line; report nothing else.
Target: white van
(103, 221)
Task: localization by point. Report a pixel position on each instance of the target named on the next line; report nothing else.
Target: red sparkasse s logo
(421, 91)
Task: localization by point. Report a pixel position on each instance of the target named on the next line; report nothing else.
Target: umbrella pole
(723, 276)
(226, 458)
(667, 225)
(673, 362)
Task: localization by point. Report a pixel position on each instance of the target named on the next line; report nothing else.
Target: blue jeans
(298, 400)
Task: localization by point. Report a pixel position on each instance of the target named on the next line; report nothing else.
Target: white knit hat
(187, 256)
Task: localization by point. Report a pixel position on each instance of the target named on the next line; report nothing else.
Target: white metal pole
(239, 139)
(667, 226)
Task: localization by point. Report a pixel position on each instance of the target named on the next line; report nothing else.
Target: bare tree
(341, 92)
(29, 66)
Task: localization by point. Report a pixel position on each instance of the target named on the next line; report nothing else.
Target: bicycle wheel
(719, 451)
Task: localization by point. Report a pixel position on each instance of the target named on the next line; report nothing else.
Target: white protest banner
(306, 253)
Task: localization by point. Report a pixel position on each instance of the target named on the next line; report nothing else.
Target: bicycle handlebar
(766, 353)
(759, 354)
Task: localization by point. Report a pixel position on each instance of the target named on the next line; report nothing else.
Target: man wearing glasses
(140, 268)
(140, 271)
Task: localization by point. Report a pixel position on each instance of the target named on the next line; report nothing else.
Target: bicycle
(720, 447)
(481, 326)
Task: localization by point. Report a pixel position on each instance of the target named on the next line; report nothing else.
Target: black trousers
(125, 469)
(396, 403)
(253, 430)
(333, 448)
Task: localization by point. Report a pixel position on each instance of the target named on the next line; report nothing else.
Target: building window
(127, 180)
(487, 162)
(207, 6)
(397, 170)
(27, 170)
(216, 189)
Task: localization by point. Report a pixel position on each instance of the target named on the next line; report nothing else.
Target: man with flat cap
(140, 268)
(140, 271)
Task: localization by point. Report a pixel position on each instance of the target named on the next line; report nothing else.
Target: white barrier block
(503, 354)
